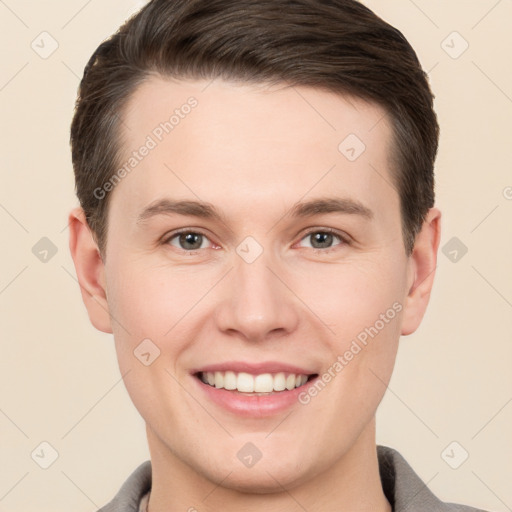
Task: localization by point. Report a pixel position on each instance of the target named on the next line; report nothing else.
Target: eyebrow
(206, 210)
(331, 205)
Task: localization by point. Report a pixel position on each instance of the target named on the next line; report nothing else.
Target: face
(288, 280)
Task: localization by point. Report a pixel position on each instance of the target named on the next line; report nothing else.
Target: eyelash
(343, 238)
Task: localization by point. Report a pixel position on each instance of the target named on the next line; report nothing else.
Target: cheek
(146, 306)
(362, 305)
(157, 303)
(146, 302)
(351, 297)
(135, 305)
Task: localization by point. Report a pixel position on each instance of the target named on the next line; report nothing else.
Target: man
(257, 229)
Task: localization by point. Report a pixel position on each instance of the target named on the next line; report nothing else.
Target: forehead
(239, 146)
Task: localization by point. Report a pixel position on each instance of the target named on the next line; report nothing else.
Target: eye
(188, 240)
(322, 239)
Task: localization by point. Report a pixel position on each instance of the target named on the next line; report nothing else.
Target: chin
(267, 476)
(252, 481)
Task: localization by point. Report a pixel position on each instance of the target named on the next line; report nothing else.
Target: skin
(253, 152)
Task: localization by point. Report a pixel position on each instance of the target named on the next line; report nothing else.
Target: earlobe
(90, 270)
(421, 271)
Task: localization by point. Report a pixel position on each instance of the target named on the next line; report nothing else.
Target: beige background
(59, 380)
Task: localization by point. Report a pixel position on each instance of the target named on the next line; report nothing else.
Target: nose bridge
(257, 302)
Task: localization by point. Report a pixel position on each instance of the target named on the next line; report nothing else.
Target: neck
(351, 484)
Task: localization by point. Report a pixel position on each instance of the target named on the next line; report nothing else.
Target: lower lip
(254, 406)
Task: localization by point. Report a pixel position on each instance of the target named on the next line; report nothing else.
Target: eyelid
(198, 231)
(332, 231)
(346, 239)
(178, 231)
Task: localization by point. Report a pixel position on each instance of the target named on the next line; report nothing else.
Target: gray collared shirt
(402, 486)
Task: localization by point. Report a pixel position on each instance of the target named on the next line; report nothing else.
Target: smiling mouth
(248, 384)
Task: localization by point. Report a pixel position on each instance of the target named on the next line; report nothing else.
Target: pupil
(189, 238)
(323, 238)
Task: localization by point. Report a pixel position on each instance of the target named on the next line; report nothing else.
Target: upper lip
(254, 368)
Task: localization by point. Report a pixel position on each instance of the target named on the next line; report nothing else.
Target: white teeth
(290, 382)
(247, 383)
(230, 380)
(219, 380)
(280, 382)
(264, 383)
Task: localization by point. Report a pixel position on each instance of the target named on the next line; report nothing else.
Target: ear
(90, 270)
(421, 271)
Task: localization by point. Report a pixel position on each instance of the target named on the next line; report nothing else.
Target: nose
(257, 303)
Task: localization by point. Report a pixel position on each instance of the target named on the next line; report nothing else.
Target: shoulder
(132, 491)
(405, 490)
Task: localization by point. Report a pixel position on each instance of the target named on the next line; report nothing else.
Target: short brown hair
(336, 45)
